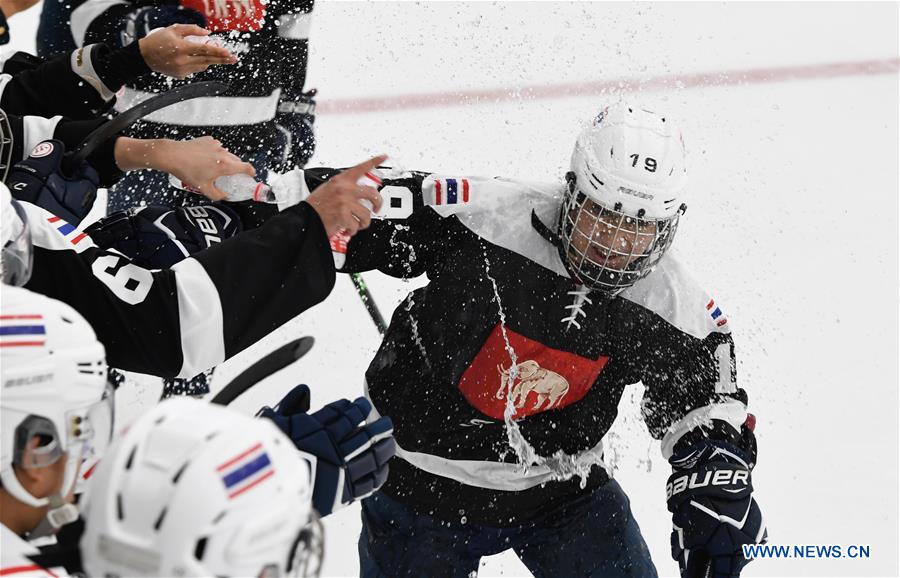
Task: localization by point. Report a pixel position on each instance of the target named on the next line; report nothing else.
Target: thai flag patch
(67, 230)
(451, 191)
(716, 313)
(22, 331)
(246, 470)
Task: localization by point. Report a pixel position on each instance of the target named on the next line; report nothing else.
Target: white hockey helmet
(623, 198)
(15, 236)
(54, 387)
(194, 489)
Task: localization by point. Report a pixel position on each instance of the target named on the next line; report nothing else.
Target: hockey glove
(713, 510)
(157, 237)
(294, 120)
(139, 23)
(40, 180)
(351, 456)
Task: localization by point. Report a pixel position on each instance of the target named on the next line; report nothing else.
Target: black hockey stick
(369, 302)
(275, 361)
(123, 120)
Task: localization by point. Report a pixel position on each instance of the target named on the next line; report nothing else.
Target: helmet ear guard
(54, 389)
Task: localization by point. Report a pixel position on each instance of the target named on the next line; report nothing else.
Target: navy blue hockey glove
(351, 456)
(295, 120)
(139, 23)
(157, 237)
(40, 180)
(714, 514)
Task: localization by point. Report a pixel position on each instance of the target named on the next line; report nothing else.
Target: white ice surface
(792, 223)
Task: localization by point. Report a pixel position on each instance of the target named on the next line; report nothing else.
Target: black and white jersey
(271, 69)
(61, 97)
(20, 135)
(501, 322)
(18, 558)
(202, 311)
(79, 85)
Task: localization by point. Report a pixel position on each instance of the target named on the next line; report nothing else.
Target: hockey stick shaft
(369, 302)
(127, 118)
(269, 364)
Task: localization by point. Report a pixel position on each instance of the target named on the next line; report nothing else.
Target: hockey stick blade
(271, 363)
(127, 118)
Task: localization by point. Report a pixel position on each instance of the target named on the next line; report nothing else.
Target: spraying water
(562, 466)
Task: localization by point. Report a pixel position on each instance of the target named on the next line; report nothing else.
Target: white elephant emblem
(548, 385)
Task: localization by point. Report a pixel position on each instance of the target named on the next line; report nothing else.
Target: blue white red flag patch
(22, 331)
(67, 230)
(716, 313)
(451, 191)
(246, 470)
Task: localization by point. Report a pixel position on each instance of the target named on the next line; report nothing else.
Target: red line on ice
(616, 85)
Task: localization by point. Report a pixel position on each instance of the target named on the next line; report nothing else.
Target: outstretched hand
(169, 51)
(197, 162)
(339, 200)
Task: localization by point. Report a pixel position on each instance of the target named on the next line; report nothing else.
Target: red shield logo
(225, 15)
(541, 379)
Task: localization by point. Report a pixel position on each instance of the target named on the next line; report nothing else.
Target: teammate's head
(56, 406)
(623, 197)
(193, 489)
(15, 236)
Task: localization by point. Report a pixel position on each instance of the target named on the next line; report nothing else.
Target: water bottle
(341, 239)
(239, 187)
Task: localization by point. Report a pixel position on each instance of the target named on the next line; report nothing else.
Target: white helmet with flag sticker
(624, 197)
(54, 390)
(194, 489)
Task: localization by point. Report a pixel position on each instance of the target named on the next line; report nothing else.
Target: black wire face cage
(609, 250)
(305, 559)
(6, 145)
(18, 252)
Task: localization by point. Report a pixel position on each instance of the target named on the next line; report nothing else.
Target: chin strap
(59, 512)
(544, 231)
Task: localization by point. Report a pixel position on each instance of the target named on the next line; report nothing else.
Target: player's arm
(403, 247)
(295, 117)
(79, 85)
(207, 308)
(27, 131)
(693, 404)
(120, 22)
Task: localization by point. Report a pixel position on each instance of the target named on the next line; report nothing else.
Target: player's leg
(397, 543)
(595, 536)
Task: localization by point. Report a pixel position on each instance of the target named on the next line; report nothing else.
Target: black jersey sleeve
(79, 85)
(291, 20)
(690, 382)
(403, 248)
(202, 311)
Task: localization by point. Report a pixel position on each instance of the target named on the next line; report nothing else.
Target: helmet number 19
(649, 162)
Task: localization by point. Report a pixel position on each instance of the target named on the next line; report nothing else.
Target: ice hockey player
(265, 118)
(193, 489)
(503, 374)
(201, 311)
(56, 408)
